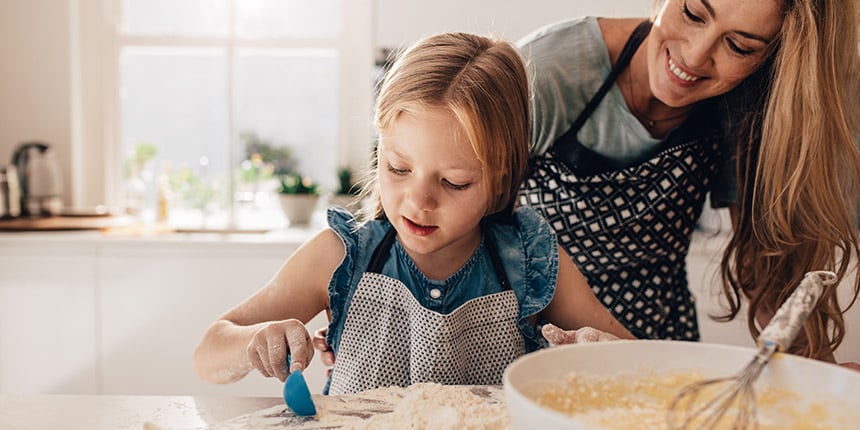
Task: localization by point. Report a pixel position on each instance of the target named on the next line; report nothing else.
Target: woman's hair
(483, 83)
(799, 173)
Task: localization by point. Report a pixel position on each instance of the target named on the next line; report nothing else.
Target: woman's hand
(270, 345)
(851, 365)
(557, 336)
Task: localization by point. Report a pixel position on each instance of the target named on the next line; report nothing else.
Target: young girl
(445, 282)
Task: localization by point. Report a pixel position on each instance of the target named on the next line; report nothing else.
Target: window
(214, 99)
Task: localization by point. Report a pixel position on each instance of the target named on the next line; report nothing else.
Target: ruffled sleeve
(340, 287)
(359, 240)
(345, 226)
(529, 251)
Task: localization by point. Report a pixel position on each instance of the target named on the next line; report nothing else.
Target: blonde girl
(445, 282)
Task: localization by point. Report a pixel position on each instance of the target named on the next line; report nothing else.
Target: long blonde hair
(799, 173)
(483, 82)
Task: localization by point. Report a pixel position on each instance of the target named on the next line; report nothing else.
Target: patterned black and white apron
(390, 339)
(628, 228)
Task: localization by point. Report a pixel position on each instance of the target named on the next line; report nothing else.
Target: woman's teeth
(680, 73)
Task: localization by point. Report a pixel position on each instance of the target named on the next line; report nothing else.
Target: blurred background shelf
(65, 223)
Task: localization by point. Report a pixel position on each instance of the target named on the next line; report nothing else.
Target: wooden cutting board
(64, 223)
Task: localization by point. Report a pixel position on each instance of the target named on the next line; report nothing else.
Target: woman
(636, 121)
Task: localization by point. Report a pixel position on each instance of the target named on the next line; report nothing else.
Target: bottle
(163, 203)
(134, 200)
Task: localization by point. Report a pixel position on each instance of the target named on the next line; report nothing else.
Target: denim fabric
(527, 247)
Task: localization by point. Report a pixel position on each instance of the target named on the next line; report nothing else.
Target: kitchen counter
(124, 412)
(416, 406)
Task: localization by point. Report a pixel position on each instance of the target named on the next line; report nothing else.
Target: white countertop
(124, 412)
(416, 406)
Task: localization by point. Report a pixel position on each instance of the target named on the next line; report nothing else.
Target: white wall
(400, 21)
(35, 89)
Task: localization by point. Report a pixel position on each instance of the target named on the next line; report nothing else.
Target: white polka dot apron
(390, 339)
(628, 228)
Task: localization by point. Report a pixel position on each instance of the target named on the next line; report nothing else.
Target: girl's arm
(575, 306)
(262, 329)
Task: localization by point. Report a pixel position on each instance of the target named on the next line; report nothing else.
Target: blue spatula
(297, 395)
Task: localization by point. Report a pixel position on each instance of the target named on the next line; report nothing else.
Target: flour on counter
(427, 406)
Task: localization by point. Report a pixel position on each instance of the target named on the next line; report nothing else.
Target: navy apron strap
(567, 147)
(381, 253)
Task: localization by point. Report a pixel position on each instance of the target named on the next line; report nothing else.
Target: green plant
(297, 184)
(138, 157)
(191, 191)
(254, 169)
(279, 157)
(345, 184)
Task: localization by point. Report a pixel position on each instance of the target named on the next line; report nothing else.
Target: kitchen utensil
(40, 179)
(805, 389)
(736, 392)
(298, 396)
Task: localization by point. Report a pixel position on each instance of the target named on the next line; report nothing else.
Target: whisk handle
(789, 318)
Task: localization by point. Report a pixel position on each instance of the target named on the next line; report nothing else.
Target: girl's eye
(397, 171)
(454, 186)
(690, 15)
(734, 47)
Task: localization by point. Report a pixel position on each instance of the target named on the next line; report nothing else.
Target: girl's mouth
(418, 229)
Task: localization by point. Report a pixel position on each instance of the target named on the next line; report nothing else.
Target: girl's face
(431, 184)
(699, 49)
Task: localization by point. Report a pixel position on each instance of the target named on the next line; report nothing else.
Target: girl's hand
(268, 349)
(326, 354)
(557, 336)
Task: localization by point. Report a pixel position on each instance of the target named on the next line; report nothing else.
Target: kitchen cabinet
(85, 314)
(47, 318)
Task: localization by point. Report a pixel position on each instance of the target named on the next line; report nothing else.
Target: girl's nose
(422, 195)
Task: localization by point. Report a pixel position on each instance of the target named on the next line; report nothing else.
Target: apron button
(435, 293)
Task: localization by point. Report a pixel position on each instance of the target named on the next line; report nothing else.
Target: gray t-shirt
(568, 62)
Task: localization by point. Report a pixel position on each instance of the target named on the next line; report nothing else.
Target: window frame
(96, 47)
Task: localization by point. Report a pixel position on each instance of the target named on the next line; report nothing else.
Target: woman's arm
(260, 331)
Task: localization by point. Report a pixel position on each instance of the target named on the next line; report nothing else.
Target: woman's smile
(680, 75)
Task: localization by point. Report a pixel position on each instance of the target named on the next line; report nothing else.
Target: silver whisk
(687, 412)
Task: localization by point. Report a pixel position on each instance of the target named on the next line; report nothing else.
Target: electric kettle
(40, 179)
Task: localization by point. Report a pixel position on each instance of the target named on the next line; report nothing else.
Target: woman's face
(699, 49)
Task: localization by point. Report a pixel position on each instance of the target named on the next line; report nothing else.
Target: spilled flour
(426, 406)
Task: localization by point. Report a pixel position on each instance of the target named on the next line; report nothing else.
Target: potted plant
(264, 162)
(298, 196)
(347, 192)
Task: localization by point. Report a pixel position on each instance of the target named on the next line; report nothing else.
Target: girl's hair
(483, 82)
(799, 173)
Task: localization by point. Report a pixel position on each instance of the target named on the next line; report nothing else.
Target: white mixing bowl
(813, 381)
